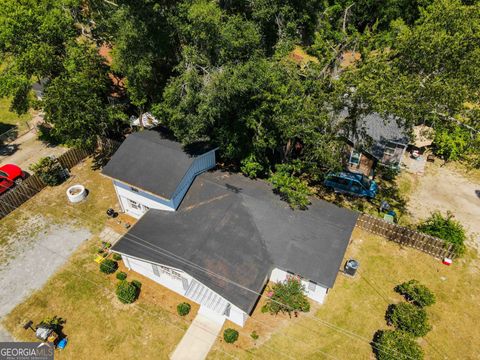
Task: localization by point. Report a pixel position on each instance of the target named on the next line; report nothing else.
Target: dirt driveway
(445, 188)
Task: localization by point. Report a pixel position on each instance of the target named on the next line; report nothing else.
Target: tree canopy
(263, 80)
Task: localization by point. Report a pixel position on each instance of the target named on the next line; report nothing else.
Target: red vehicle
(10, 175)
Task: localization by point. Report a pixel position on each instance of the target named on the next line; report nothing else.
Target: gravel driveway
(443, 189)
(31, 266)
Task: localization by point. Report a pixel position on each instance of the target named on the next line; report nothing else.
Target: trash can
(351, 267)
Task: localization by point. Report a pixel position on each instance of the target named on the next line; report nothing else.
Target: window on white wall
(312, 286)
(355, 157)
(155, 270)
(134, 205)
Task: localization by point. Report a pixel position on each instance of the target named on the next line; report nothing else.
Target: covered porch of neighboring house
(415, 159)
(365, 162)
(359, 162)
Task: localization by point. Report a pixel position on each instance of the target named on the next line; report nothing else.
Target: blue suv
(351, 183)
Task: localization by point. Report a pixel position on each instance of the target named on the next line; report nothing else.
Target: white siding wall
(236, 315)
(315, 292)
(146, 200)
(146, 269)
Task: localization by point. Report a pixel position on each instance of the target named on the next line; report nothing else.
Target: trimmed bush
(117, 257)
(49, 170)
(126, 292)
(121, 275)
(287, 296)
(137, 284)
(445, 228)
(108, 266)
(395, 345)
(230, 335)
(408, 318)
(183, 308)
(416, 293)
(254, 335)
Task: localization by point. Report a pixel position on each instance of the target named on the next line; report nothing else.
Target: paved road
(27, 149)
(199, 338)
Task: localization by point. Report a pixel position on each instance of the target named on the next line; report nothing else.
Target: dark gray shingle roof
(238, 228)
(150, 161)
(379, 131)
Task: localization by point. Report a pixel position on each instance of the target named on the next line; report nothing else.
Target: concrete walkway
(198, 340)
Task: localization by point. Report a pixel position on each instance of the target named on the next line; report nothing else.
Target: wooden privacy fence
(405, 236)
(72, 157)
(33, 184)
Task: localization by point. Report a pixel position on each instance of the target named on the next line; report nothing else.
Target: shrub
(451, 143)
(137, 284)
(287, 296)
(388, 173)
(395, 345)
(121, 275)
(183, 309)
(408, 318)
(117, 257)
(108, 266)
(230, 335)
(251, 167)
(126, 292)
(417, 293)
(254, 335)
(445, 228)
(49, 170)
(292, 189)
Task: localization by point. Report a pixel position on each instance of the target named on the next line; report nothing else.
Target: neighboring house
(229, 236)
(150, 171)
(377, 140)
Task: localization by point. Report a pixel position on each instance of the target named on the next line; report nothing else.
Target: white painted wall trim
(236, 315)
(313, 290)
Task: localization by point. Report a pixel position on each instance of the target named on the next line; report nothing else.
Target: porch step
(202, 295)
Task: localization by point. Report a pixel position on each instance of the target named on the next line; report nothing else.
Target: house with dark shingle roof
(228, 237)
(375, 140)
(151, 171)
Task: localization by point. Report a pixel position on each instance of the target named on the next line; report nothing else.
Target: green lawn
(359, 304)
(97, 324)
(9, 120)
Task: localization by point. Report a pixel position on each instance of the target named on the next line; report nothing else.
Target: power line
(134, 304)
(209, 272)
(265, 345)
(443, 355)
(188, 263)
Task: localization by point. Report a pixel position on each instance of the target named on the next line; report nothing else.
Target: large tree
(33, 38)
(76, 101)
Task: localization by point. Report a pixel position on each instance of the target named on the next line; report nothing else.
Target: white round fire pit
(76, 193)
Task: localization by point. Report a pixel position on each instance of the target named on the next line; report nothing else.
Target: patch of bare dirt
(446, 189)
